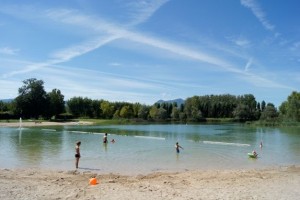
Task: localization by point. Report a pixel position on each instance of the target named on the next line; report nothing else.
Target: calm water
(148, 148)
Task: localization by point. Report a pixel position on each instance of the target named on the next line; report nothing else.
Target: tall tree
(57, 103)
(32, 100)
(107, 109)
(143, 112)
(126, 112)
(269, 113)
(291, 107)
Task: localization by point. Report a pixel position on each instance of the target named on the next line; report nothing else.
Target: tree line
(33, 102)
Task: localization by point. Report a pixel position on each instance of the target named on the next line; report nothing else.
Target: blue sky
(147, 50)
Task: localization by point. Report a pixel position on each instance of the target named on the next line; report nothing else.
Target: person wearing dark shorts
(177, 147)
(77, 153)
(105, 139)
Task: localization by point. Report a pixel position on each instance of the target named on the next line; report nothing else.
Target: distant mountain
(178, 101)
(6, 100)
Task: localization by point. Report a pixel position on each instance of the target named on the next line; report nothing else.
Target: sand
(34, 124)
(276, 183)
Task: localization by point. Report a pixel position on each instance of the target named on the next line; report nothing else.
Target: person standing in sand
(77, 153)
(177, 147)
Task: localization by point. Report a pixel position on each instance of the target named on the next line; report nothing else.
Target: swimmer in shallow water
(177, 147)
(77, 153)
(105, 141)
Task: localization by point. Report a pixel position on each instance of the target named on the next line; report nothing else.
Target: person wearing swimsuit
(177, 147)
(105, 139)
(77, 153)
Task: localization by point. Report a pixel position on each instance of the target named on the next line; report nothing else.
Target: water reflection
(20, 136)
(35, 146)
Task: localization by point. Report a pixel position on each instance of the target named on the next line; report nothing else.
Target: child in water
(177, 147)
(254, 153)
(105, 139)
(77, 153)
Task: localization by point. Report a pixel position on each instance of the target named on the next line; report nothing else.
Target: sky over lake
(143, 51)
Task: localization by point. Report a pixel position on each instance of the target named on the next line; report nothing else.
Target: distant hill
(178, 101)
(6, 100)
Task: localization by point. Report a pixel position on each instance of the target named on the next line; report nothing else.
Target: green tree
(153, 112)
(241, 112)
(117, 114)
(269, 113)
(126, 112)
(74, 106)
(136, 107)
(107, 109)
(291, 108)
(96, 111)
(57, 103)
(175, 114)
(263, 105)
(32, 100)
(143, 112)
(162, 114)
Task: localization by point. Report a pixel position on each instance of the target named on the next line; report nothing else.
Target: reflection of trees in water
(293, 139)
(32, 145)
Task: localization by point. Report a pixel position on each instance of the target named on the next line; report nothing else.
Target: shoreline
(39, 124)
(270, 183)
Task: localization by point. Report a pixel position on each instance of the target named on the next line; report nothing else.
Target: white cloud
(141, 11)
(258, 13)
(240, 41)
(8, 51)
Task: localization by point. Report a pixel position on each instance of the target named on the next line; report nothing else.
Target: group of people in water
(105, 141)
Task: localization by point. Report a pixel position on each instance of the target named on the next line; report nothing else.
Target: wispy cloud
(8, 51)
(81, 49)
(249, 63)
(242, 42)
(115, 64)
(141, 11)
(258, 13)
(295, 46)
(114, 32)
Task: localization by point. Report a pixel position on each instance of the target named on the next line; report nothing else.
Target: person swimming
(254, 153)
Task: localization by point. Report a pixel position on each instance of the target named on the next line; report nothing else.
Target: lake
(149, 148)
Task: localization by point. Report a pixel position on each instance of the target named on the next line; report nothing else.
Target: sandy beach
(277, 183)
(34, 124)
